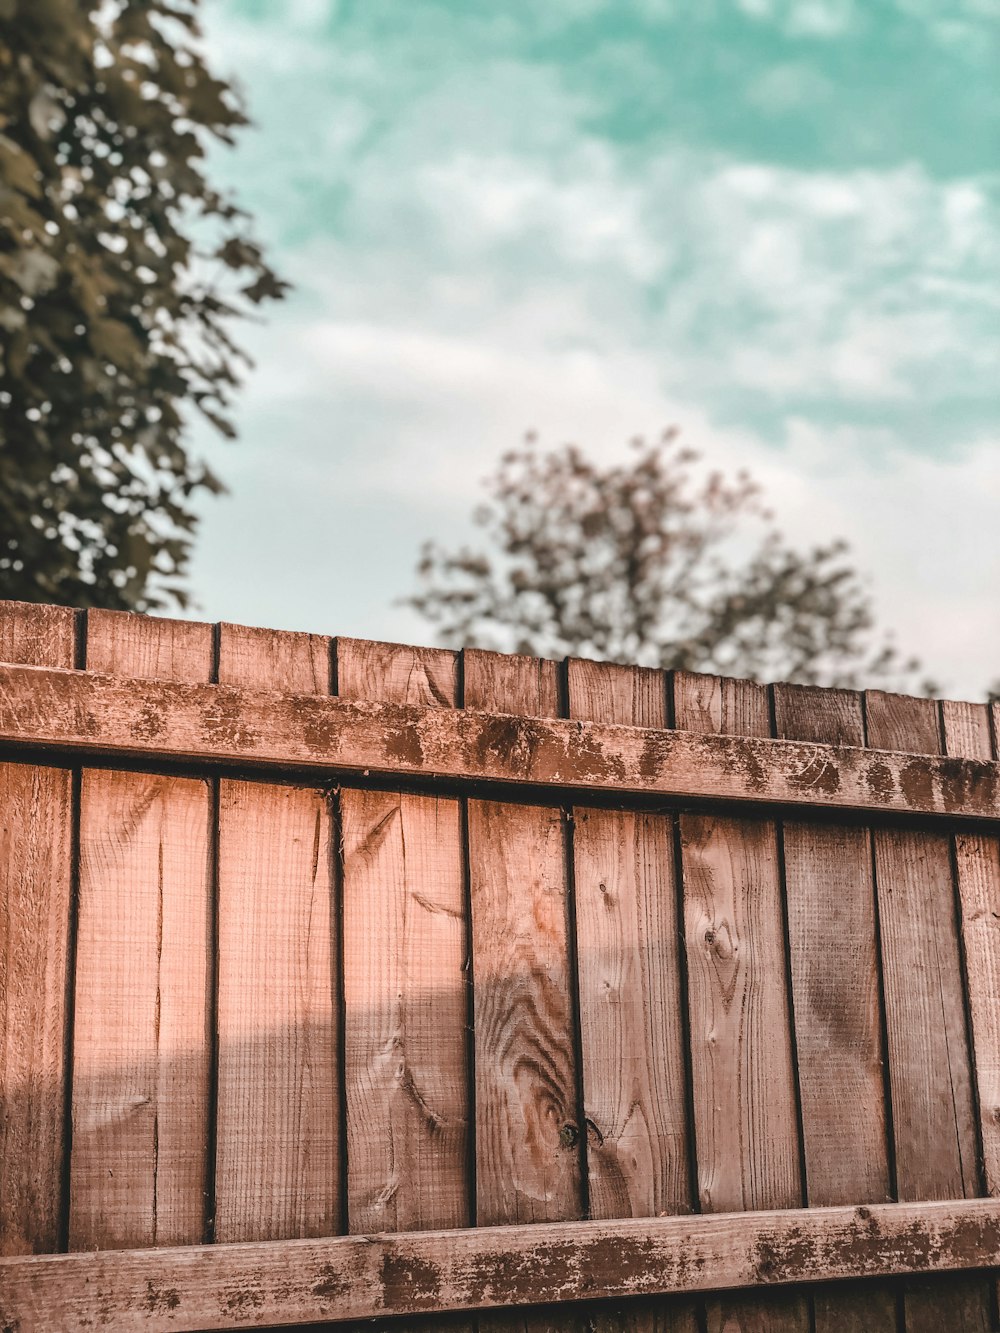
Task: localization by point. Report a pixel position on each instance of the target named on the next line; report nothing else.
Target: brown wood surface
(836, 1000)
(36, 818)
(37, 635)
(510, 682)
(966, 730)
(356, 1277)
(141, 1038)
(120, 643)
(742, 1067)
(528, 1124)
(277, 1157)
(141, 1019)
(929, 1069)
(405, 977)
(631, 1038)
(527, 1160)
(424, 677)
(91, 714)
(977, 865)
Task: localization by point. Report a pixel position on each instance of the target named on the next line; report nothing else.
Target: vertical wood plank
(900, 722)
(966, 729)
(405, 979)
(511, 682)
(930, 1079)
(978, 862)
(837, 1005)
(141, 1046)
(808, 713)
(35, 913)
(395, 672)
(527, 1119)
(977, 865)
(743, 1075)
(631, 1038)
(120, 643)
(37, 635)
(277, 1155)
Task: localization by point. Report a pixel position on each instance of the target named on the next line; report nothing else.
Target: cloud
(482, 241)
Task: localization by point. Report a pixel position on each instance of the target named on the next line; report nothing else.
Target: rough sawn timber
(930, 1066)
(266, 1284)
(836, 1002)
(87, 713)
(142, 1012)
(528, 1163)
(629, 970)
(36, 854)
(746, 1132)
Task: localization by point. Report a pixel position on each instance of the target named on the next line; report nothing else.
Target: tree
(121, 270)
(652, 561)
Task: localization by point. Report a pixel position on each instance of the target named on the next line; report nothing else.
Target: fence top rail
(262, 1284)
(90, 714)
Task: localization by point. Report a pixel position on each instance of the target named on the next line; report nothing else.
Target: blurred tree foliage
(121, 270)
(653, 561)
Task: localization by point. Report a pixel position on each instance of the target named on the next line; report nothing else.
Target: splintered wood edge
(84, 712)
(360, 1277)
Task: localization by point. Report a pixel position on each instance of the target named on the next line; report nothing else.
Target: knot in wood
(720, 941)
(569, 1136)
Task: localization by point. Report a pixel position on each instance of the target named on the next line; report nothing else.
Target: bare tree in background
(654, 561)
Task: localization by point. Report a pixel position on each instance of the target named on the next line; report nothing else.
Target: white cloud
(400, 418)
(491, 264)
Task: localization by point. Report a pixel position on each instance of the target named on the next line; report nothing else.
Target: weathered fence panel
(344, 980)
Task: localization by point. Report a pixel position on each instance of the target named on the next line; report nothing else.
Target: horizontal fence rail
(89, 714)
(362, 1277)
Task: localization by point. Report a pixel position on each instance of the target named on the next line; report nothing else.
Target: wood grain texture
(743, 1075)
(720, 706)
(141, 1020)
(90, 714)
(35, 885)
(358, 1277)
(141, 1047)
(274, 659)
(966, 730)
(121, 643)
(511, 683)
(36, 635)
(929, 1067)
(808, 713)
(528, 1123)
(630, 1023)
(405, 1009)
(977, 866)
(632, 1044)
(405, 981)
(277, 1161)
(901, 722)
(836, 1001)
(367, 669)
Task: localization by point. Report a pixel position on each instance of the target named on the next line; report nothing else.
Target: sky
(773, 223)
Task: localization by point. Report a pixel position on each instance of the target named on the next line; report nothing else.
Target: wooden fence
(345, 980)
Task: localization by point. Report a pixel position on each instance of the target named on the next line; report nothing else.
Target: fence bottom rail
(356, 1277)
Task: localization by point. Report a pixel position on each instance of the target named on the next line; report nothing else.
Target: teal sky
(773, 222)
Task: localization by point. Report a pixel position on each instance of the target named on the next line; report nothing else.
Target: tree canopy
(655, 561)
(121, 272)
